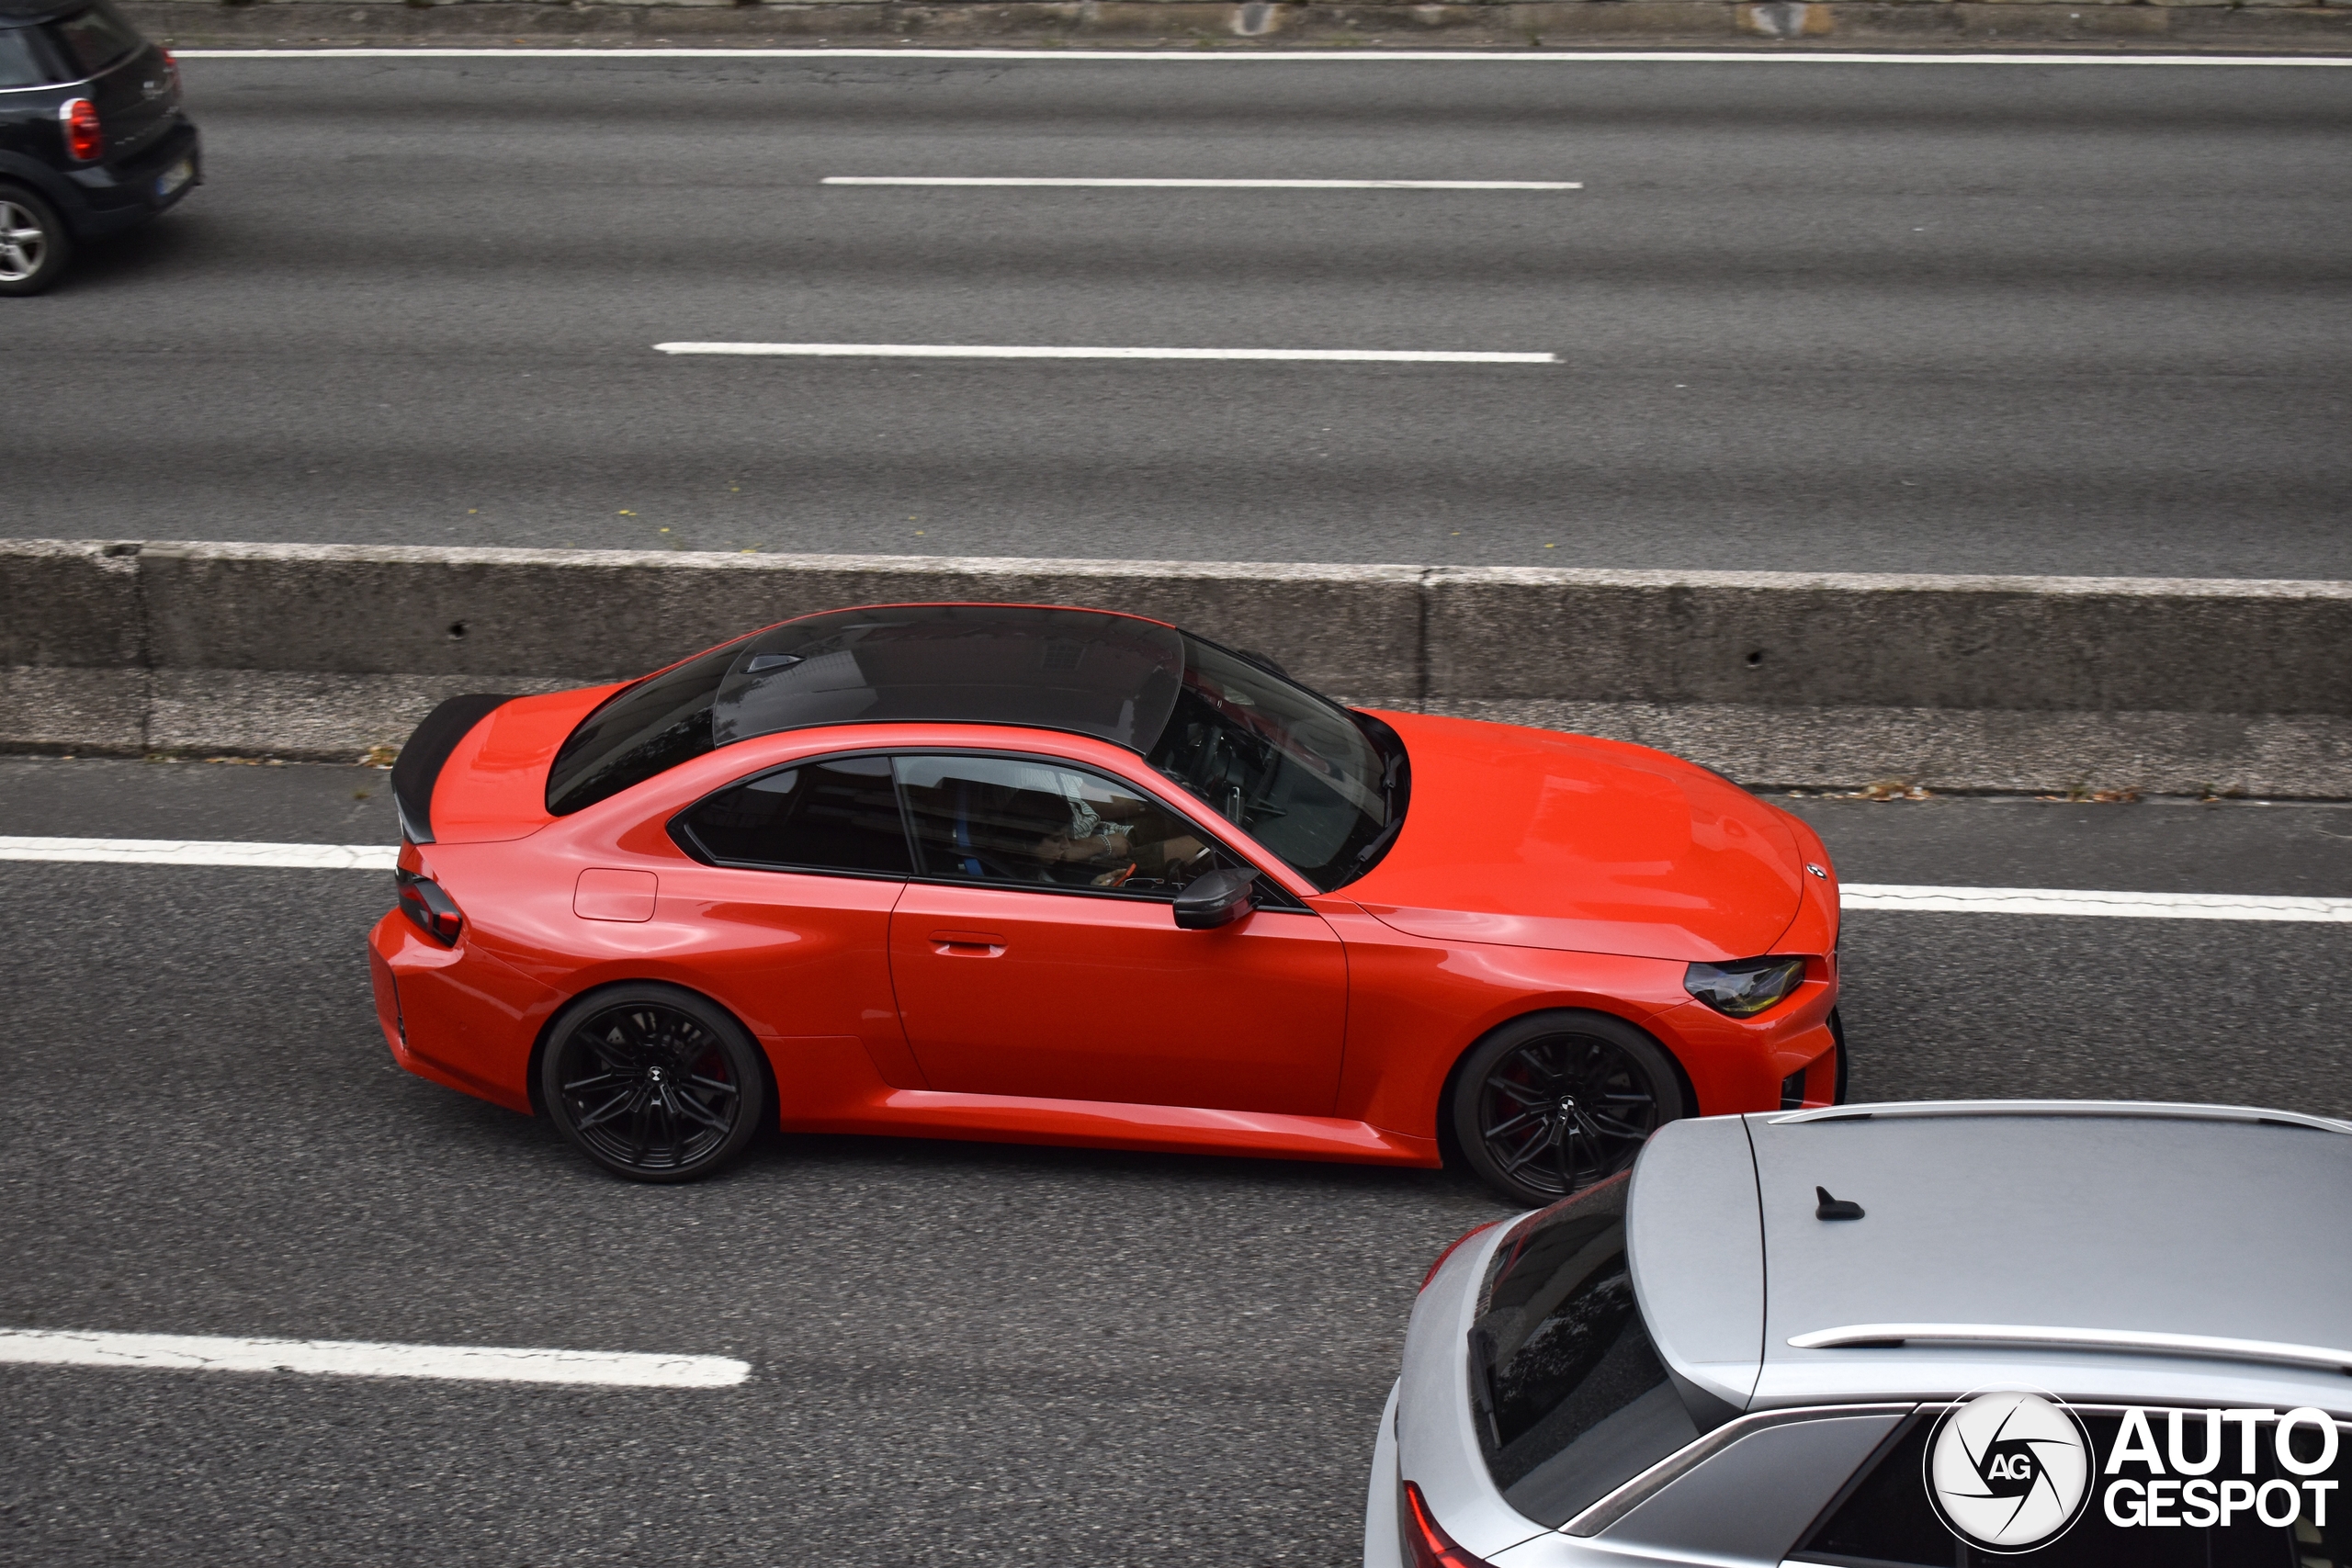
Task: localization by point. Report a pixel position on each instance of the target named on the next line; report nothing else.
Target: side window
(837, 814)
(1039, 823)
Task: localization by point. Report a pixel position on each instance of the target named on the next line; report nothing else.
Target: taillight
(1427, 1546)
(434, 912)
(85, 139)
(1456, 1242)
(172, 66)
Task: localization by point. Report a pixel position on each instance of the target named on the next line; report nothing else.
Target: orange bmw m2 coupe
(1060, 876)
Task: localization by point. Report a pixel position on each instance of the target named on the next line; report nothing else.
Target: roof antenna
(1835, 1208)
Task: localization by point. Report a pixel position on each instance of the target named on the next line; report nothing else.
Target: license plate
(178, 175)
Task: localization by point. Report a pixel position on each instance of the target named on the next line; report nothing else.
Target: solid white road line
(193, 851)
(1025, 351)
(361, 1359)
(1203, 185)
(1852, 895)
(2069, 901)
(1352, 57)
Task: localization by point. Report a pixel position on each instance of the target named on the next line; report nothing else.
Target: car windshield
(1319, 786)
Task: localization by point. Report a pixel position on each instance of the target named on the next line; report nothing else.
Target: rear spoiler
(428, 748)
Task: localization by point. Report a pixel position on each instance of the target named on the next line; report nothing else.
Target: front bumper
(1787, 1059)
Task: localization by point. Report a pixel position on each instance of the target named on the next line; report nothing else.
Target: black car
(92, 139)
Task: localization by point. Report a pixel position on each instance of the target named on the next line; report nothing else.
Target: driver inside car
(1124, 839)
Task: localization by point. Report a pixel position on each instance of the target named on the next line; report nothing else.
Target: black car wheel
(34, 247)
(653, 1083)
(1550, 1103)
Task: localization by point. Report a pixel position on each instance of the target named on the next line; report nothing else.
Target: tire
(653, 1082)
(1550, 1103)
(35, 248)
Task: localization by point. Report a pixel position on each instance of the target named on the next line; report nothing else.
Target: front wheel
(652, 1082)
(1550, 1103)
(34, 245)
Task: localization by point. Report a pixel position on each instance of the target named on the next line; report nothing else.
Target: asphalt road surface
(2078, 320)
(961, 1353)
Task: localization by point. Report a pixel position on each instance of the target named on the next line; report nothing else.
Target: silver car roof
(2124, 1252)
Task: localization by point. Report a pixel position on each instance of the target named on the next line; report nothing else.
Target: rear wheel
(1550, 1103)
(34, 245)
(652, 1082)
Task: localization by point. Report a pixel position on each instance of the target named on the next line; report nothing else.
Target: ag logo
(2008, 1470)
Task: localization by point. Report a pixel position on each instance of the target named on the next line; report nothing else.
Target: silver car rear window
(1571, 1397)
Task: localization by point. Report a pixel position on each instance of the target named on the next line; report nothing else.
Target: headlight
(1745, 988)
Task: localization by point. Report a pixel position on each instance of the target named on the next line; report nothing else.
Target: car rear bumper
(457, 1016)
(115, 196)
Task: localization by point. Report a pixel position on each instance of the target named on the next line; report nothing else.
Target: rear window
(643, 730)
(20, 65)
(93, 39)
(1572, 1398)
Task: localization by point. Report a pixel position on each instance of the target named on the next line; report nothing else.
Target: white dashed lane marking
(1200, 185)
(1040, 351)
(364, 1358)
(202, 852)
(1933, 900)
(2074, 901)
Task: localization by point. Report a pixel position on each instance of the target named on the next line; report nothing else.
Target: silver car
(1915, 1333)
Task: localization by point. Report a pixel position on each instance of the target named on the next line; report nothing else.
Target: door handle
(968, 944)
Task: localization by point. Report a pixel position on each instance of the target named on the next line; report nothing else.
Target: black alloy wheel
(34, 245)
(1549, 1104)
(653, 1083)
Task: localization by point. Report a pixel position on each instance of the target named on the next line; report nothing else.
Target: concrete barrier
(1780, 679)
(2316, 26)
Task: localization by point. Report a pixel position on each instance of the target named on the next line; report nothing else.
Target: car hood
(1530, 838)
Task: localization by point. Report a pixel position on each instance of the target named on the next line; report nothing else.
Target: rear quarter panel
(471, 1018)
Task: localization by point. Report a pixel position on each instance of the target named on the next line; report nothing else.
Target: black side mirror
(1216, 899)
